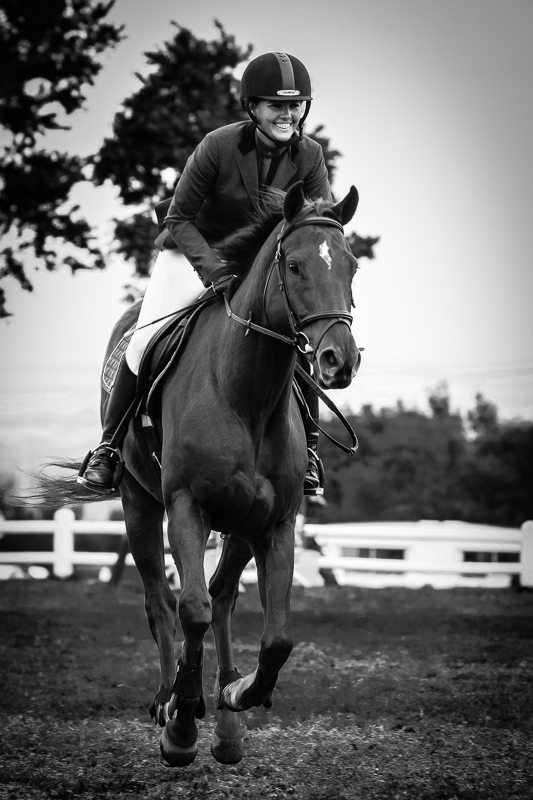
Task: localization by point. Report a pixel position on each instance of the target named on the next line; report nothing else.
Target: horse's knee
(195, 613)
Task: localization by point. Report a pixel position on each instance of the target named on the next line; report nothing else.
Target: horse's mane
(240, 249)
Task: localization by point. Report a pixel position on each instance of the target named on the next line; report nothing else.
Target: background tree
(483, 419)
(412, 466)
(189, 90)
(48, 57)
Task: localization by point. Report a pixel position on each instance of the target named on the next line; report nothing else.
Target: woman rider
(216, 193)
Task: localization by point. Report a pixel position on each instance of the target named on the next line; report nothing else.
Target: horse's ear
(294, 201)
(346, 208)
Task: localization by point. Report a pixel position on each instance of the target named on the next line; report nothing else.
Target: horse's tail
(52, 491)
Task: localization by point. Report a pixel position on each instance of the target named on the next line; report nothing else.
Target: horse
(233, 459)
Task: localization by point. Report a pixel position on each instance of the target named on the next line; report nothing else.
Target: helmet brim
(284, 98)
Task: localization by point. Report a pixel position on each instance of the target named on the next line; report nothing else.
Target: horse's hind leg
(188, 531)
(227, 743)
(144, 526)
(275, 564)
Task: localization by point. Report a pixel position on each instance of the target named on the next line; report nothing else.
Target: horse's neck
(259, 379)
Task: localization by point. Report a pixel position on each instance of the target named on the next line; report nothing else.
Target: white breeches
(173, 285)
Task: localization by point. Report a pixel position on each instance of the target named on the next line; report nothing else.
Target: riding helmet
(275, 76)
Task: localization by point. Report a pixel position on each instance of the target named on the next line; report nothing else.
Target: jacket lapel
(247, 165)
(285, 171)
(248, 168)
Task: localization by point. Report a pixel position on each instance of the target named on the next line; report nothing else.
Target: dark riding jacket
(219, 188)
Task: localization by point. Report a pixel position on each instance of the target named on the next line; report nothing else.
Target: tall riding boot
(99, 470)
(314, 477)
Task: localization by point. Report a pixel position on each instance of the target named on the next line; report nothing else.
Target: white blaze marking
(325, 254)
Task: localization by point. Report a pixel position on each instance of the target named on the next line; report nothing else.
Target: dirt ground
(389, 693)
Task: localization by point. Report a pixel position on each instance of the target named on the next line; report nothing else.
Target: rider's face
(278, 118)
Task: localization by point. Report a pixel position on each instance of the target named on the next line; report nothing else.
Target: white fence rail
(442, 554)
(63, 557)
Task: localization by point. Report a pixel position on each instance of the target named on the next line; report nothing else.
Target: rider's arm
(194, 186)
(316, 182)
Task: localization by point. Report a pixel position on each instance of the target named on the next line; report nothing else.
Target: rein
(332, 407)
(300, 340)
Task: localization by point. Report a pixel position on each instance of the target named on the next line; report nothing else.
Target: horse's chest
(237, 482)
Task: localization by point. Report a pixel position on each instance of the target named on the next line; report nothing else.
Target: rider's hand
(228, 285)
(224, 281)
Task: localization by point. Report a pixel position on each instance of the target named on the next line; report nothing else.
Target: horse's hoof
(159, 706)
(227, 751)
(233, 693)
(227, 742)
(160, 715)
(172, 755)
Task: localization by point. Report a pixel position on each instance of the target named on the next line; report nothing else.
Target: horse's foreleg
(275, 564)
(188, 531)
(144, 518)
(227, 743)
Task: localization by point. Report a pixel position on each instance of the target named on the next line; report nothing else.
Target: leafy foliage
(413, 466)
(362, 246)
(330, 153)
(53, 47)
(48, 56)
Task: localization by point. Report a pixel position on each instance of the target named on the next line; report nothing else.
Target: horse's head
(316, 268)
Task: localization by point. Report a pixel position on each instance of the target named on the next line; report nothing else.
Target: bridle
(299, 339)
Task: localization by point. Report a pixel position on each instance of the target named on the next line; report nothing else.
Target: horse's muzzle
(337, 365)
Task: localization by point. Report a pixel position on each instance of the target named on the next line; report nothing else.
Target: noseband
(299, 340)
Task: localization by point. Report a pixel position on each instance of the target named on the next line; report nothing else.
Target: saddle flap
(165, 348)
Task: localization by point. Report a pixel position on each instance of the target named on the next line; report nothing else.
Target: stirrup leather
(117, 477)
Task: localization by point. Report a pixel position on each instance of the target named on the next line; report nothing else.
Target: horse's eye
(293, 267)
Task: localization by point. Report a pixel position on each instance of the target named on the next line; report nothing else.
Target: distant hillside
(47, 412)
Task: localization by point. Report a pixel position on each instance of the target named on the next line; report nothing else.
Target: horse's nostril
(328, 360)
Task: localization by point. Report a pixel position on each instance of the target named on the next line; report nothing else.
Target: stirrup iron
(117, 477)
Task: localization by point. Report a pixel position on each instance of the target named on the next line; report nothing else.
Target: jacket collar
(247, 165)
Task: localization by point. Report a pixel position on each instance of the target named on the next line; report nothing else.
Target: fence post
(526, 578)
(63, 542)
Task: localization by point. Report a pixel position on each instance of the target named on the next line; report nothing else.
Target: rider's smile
(278, 119)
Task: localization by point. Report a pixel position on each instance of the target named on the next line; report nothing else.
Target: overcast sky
(430, 103)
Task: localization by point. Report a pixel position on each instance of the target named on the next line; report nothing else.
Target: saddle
(163, 350)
